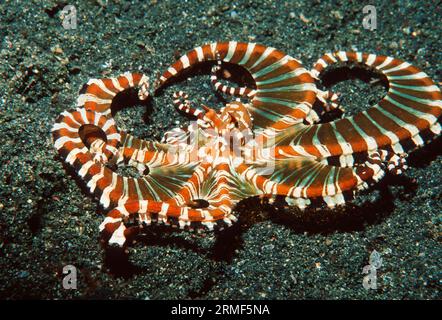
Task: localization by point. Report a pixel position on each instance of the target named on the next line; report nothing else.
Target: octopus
(266, 142)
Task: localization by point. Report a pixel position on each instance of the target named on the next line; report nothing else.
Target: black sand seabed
(47, 221)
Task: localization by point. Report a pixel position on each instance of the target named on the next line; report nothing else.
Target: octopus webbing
(267, 142)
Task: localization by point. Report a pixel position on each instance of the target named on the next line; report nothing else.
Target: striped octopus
(266, 142)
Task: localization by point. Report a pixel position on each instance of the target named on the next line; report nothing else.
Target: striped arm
(97, 94)
(407, 117)
(329, 101)
(212, 186)
(100, 136)
(306, 182)
(285, 90)
(403, 120)
(167, 172)
(114, 227)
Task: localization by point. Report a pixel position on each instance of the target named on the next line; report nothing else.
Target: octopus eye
(89, 133)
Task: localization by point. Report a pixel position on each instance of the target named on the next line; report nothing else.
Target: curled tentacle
(86, 135)
(181, 103)
(285, 90)
(97, 94)
(329, 101)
